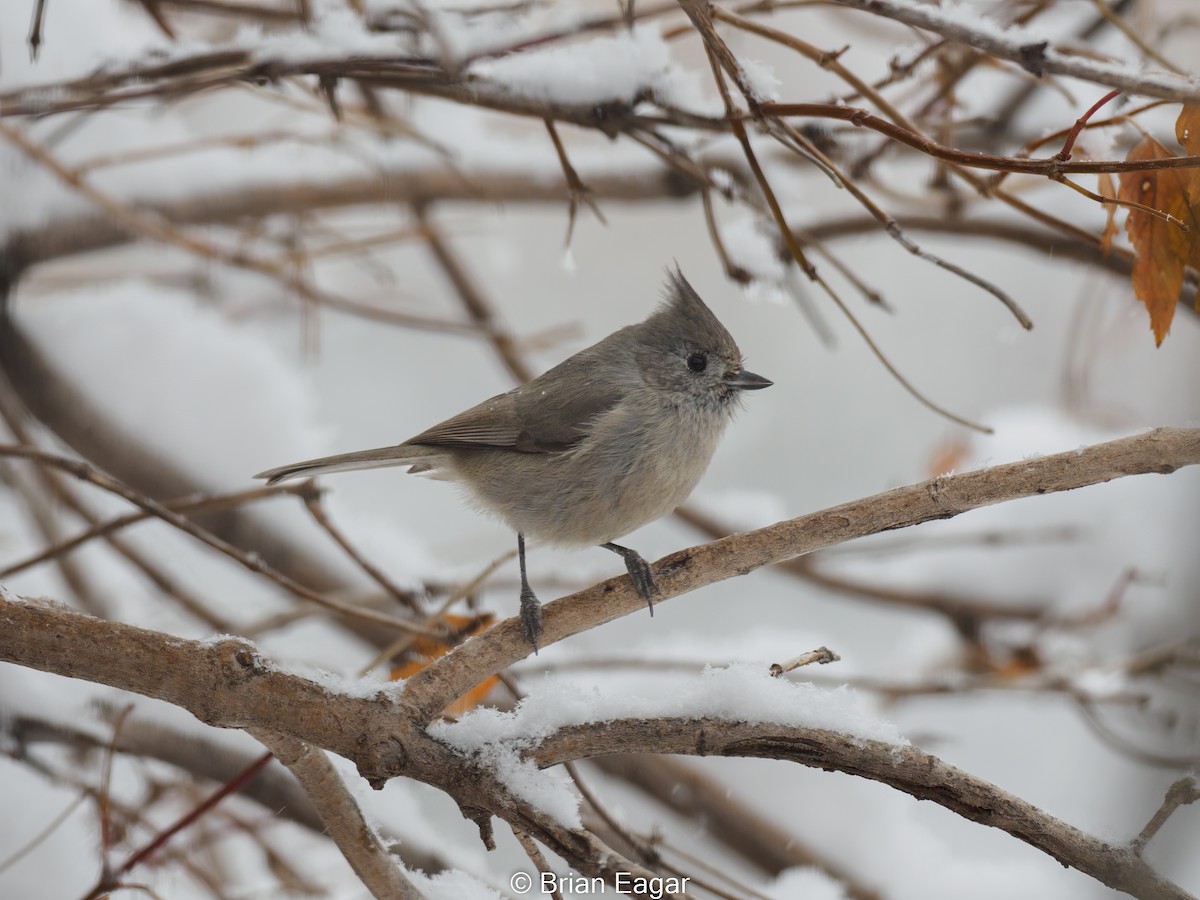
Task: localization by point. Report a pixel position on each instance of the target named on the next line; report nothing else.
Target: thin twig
(35, 29)
(1136, 39)
(1073, 134)
(473, 300)
(539, 861)
(404, 641)
(157, 228)
(577, 190)
(106, 835)
(193, 815)
(85, 472)
(821, 656)
(105, 529)
(711, 43)
(316, 509)
(1181, 793)
(1013, 164)
(33, 843)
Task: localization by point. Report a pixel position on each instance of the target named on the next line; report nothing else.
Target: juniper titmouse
(606, 441)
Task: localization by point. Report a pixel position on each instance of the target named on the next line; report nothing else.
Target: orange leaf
(1108, 189)
(1187, 132)
(425, 650)
(1187, 129)
(1163, 248)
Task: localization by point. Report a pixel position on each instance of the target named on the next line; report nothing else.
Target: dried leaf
(1107, 186)
(1187, 132)
(1163, 248)
(425, 650)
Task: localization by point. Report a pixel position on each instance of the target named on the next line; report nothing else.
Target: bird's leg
(639, 572)
(531, 607)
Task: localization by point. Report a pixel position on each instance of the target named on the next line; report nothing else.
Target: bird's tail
(398, 455)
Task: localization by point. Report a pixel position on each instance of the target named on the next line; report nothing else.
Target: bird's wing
(550, 414)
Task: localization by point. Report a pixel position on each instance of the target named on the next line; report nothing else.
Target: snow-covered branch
(1160, 451)
(903, 767)
(228, 683)
(1030, 52)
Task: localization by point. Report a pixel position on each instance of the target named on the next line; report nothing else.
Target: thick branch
(1160, 451)
(227, 683)
(906, 768)
(85, 233)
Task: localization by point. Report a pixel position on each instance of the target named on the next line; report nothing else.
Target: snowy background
(224, 374)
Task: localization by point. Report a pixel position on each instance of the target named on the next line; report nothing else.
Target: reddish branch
(1048, 167)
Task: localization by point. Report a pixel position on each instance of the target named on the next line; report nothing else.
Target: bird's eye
(697, 362)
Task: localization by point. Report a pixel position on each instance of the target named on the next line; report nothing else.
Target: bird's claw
(531, 617)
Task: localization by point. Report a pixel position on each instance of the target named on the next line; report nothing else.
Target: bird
(608, 440)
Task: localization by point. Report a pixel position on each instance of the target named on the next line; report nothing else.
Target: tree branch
(905, 768)
(227, 683)
(1160, 451)
(86, 233)
(1030, 53)
(344, 821)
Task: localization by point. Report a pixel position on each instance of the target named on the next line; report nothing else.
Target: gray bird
(608, 440)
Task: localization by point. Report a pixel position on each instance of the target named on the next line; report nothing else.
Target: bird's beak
(742, 380)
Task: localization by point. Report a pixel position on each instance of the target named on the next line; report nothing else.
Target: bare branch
(85, 472)
(1181, 793)
(227, 683)
(905, 768)
(156, 228)
(82, 234)
(344, 821)
(690, 793)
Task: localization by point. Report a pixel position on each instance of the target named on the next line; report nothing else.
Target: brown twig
(35, 29)
(577, 190)
(344, 821)
(821, 656)
(1033, 55)
(721, 60)
(539, 862)
(193, 815)
(13, 413)
(473, 300)
(153, 227)
(1047, 167)
(107, 528)
(1073, 134)
(316, 509)
(1136, 39)
(1181, 793)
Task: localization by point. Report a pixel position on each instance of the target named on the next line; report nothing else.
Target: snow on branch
(1160, 451)
(227, 682)
(1032, 53)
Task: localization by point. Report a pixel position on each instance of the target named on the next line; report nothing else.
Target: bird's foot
(531, 617)
(639, 572)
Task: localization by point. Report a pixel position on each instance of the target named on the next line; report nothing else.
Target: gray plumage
(608, 440)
